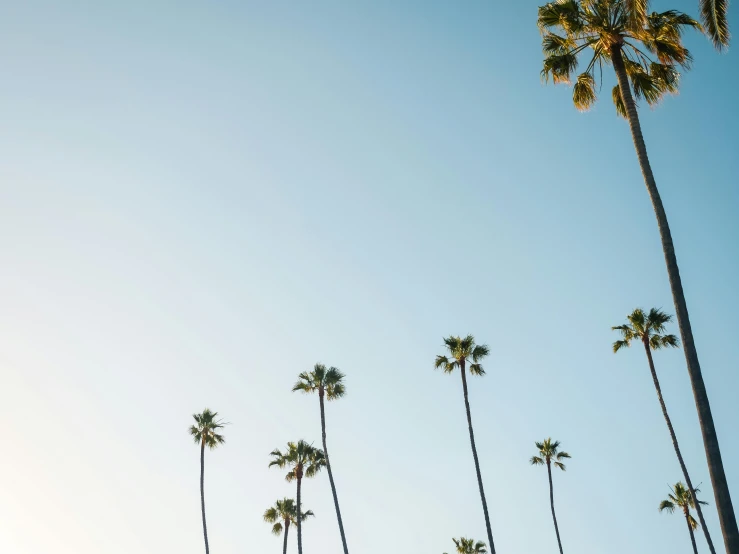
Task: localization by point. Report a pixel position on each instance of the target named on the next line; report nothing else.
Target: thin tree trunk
(677, 448)
(330, 473)
(551, 501)
(720, 485)
(692, 535)
(300, 531)
(287, 526)
(474, 455)
(202, 492)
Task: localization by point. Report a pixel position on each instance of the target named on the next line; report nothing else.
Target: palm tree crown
(648, 328)
(460, 350)
(548, 452)
(469, 546)
(601, 26)
(681, 498)
(206, 429)
(322, 380)
(284, 511)
(303, 459)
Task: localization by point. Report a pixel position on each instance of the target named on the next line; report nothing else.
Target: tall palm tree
(469, 546)
(713, 14)
(329, 384)
(649, 329)
(462, 350)
(282, 514)
(303, 460)
(682, 498)
(605, 28)
(549, 453)
(205, 432)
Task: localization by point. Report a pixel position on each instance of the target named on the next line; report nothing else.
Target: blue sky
(199, 200)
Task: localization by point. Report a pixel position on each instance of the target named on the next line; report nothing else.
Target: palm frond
(668, 76)
(618, 101)
(270, 515)
(554, 44)
(637, 11)
(562, 13)
(334, 382)
(715, 19)
(476, 369)
(479, 352)
(304, 383)
(619, 344)
(559, 67)
(663, 341)
(583, 93)
(666, 505)
(536, 461)
(646, 86)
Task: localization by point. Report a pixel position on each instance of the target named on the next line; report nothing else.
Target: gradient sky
(199, 200)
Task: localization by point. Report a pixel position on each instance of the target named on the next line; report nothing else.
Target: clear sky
(199, 200)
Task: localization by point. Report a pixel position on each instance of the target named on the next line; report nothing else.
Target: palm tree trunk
(330, 473)
(692, 535)
(551, 501)
(720, 485)
(677, 448)
(474, 455)
(300, 533)
(284, 545)
(202, 492)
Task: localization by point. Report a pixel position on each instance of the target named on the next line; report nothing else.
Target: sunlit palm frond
(583, 93)
(637, 11)
(305, 383)
(715, 19)
(476, 369)
(663, 341)
(334, 382)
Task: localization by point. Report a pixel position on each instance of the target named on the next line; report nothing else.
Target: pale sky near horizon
(199, 200)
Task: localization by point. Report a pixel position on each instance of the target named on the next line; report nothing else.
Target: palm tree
(205, 433)
(282, 514)
(649, 329)
(469, 546)
(606, 28)
(548, 453)
(304, 461)
(713, 14)
(461, 350)
(328, 383)
(682, 498)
